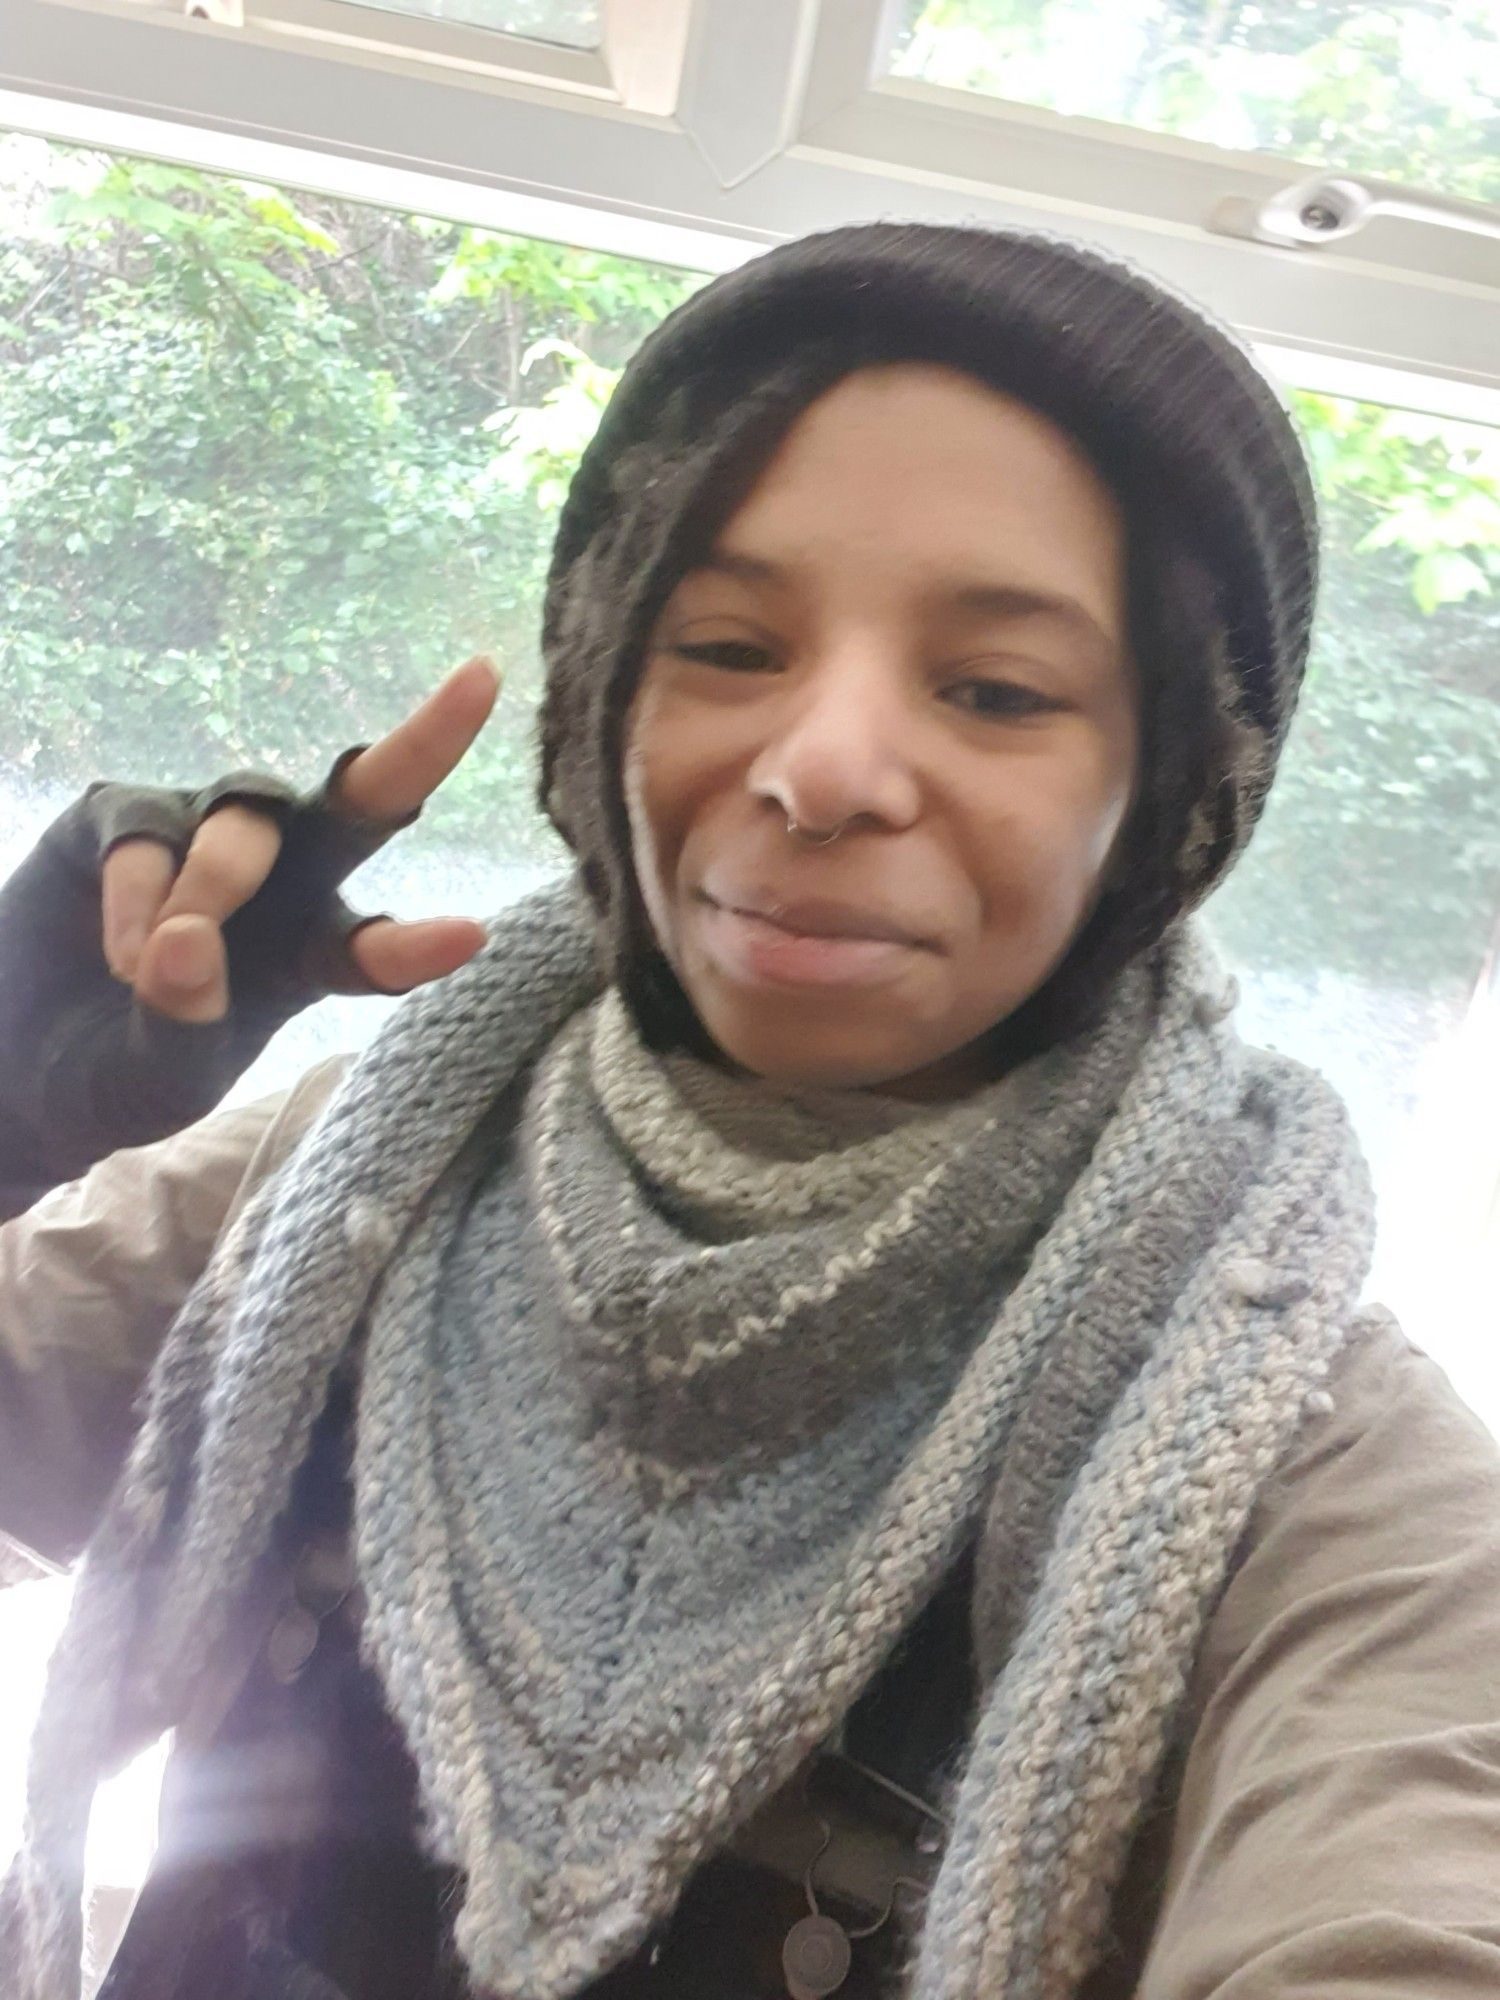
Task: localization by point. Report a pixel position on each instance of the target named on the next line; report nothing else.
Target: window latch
(1327, 208)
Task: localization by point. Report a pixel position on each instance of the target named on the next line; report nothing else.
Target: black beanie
(1167, 403)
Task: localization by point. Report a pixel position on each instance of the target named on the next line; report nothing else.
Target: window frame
(702, 130)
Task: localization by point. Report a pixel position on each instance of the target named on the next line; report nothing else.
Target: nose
(839, 748)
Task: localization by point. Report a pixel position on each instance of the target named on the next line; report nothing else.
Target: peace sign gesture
(154, 940)
(164, 909)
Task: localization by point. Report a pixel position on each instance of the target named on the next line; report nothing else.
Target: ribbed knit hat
(1169, 405)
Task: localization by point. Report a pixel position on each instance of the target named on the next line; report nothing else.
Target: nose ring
(814, 839)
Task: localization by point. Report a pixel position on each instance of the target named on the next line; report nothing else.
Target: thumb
(396, 957)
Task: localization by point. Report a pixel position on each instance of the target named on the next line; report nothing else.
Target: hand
(162, 923)
(154, 940)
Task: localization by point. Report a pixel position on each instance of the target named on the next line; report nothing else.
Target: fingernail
(187, 958)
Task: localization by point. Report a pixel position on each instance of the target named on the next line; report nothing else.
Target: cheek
(665, 780)
(1045, 850)
(685, 761)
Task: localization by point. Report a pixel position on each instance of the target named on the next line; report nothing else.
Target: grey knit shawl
(664, 1439)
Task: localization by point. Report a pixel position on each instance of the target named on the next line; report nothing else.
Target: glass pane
(1409, 89)
(572, 23)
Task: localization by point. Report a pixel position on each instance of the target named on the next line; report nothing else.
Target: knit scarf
(679, 1395)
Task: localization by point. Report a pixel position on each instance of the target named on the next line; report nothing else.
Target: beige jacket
(1330, 1823)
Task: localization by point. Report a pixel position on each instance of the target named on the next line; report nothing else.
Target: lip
(817, 917)
(763, 952)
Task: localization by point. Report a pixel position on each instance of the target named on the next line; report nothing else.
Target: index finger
(134, 883)
(397, 774)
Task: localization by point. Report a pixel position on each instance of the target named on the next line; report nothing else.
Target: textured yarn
(679, 1397)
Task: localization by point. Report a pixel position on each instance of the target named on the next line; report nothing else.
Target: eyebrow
(984, 600)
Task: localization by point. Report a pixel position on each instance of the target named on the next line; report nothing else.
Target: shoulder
(1335, 1787)
(1382, 1517)
(1387, 1436)
(99, 1261)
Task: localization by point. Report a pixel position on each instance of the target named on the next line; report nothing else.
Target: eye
(738, 656)
(1001, 701)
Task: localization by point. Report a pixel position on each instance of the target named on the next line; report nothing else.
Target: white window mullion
(742, 82)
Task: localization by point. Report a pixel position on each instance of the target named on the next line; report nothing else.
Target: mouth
(760, 940)
(817, 917)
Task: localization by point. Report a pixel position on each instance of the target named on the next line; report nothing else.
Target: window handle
(1326, 208)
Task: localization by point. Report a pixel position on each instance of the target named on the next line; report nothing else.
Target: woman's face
(914, 628)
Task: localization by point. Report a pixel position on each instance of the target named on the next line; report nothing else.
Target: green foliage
(1380, 852)
(1381, 849)
(269, 466)
(543, 444)
(1427, 485)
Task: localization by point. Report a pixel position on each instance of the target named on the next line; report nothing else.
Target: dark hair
(671, 500)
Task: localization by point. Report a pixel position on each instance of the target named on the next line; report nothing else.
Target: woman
(840, 1381)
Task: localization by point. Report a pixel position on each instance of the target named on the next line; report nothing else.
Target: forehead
(922, 469)
(923, 411)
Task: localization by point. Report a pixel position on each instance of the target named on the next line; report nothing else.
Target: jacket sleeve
(91, 1278)
(1337, 1823)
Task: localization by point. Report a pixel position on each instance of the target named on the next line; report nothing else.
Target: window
(572, 24)
(1408, 89)
(269, 466)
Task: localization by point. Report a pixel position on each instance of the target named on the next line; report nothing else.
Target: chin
(810, 1047)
